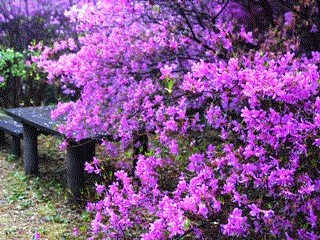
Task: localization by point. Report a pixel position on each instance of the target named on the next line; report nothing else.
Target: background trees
(24, 23)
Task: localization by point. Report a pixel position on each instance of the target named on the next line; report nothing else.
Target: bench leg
(2, 139)
(77, 154)
(16, 149)
(30, 149)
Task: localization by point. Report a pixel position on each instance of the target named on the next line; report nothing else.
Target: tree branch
(194, 37)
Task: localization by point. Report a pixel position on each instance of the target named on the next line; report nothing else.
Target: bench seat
(14, 129)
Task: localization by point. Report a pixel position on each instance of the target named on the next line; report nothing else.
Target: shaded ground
(38, 204)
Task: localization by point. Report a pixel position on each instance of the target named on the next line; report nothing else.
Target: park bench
(36, 120)
(14, 129)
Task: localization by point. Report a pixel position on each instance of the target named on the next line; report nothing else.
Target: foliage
(232, 115)
(11, 64)
(23, 23)
(12, 73)
(23, 83)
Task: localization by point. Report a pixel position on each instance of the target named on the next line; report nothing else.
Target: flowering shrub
(22, 21)
(263, 175)
(233, 130)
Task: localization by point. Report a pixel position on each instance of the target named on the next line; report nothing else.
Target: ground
(30, 204)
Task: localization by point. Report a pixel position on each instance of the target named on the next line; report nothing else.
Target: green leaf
(169, 90)
(187, 224)
(170, 84)
(156, 8)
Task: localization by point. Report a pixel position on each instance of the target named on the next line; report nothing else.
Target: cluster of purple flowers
(239, 132)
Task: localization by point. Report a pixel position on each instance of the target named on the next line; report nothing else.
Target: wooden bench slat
(12, 127)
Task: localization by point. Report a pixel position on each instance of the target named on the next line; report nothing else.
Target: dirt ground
(38, 204)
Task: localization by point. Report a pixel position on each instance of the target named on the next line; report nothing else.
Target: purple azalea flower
(36, 235)
(237, 225)
(75, 232)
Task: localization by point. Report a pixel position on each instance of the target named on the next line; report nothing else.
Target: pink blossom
(289, 18)
(166, 72)
(75, 232)
(36, 235)
(100, 188)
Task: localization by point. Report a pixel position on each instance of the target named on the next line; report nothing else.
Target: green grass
(30, 204)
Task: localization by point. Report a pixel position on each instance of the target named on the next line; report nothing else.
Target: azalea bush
(224, 122)
(23, 21)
